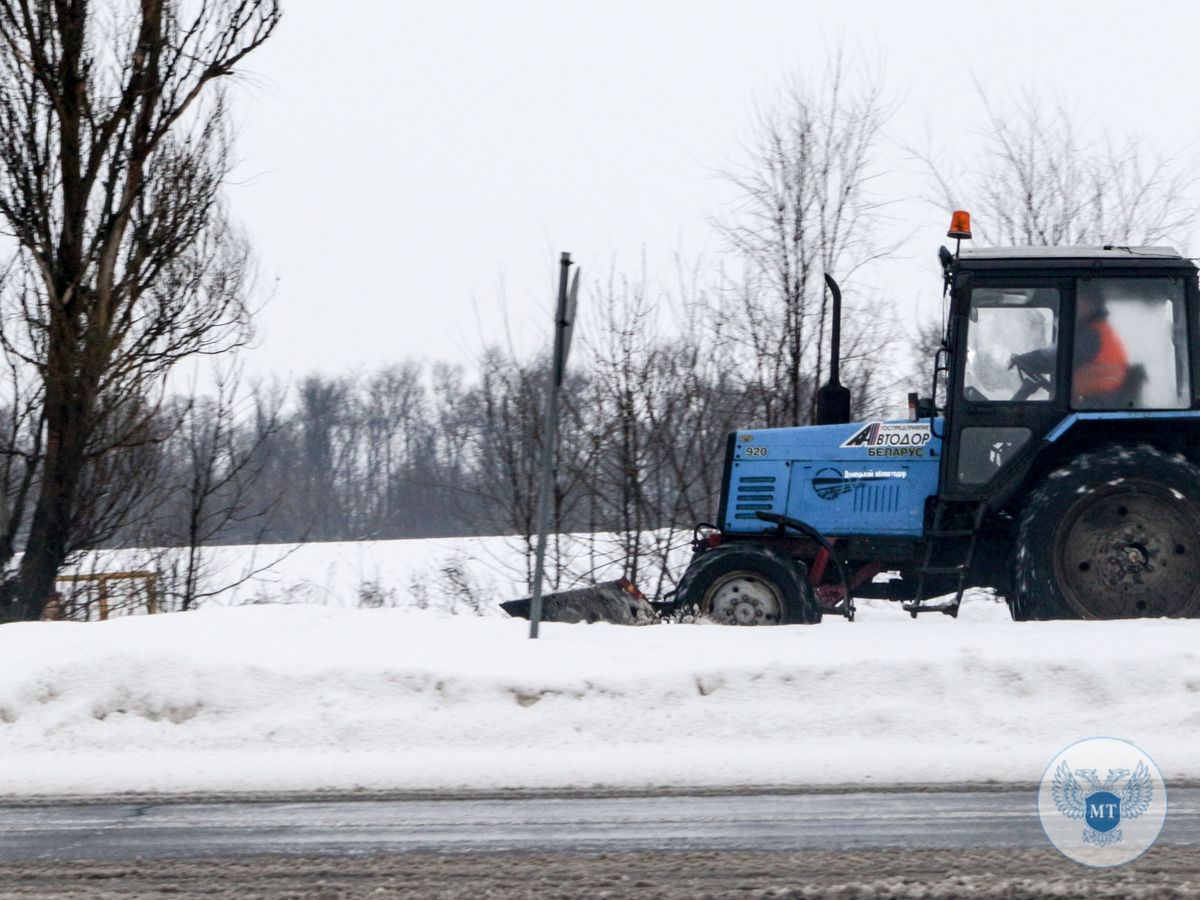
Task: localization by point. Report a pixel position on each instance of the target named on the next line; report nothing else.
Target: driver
(1101, 364)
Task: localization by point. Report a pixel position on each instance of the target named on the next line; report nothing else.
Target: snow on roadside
(281, 698)
(468, 575)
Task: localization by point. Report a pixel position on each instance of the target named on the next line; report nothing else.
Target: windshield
(1012, 344)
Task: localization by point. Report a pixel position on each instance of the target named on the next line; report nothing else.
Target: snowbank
(303, 698)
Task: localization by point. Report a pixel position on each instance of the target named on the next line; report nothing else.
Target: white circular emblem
(1102, 802)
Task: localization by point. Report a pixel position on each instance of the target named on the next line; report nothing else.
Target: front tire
(748, 584)
(1115, 534)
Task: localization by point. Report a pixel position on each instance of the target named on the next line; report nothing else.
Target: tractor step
(962, 570)
(950, 609)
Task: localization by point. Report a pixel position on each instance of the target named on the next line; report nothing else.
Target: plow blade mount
(618, 602)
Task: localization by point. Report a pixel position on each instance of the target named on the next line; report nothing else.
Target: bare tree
(113, 149)
(325, 413)
(511, 429)
(394, 414)
(804, 207)
(221, 441)
(622, 466)
(693, 400)
(21, 438)
(1048, 177)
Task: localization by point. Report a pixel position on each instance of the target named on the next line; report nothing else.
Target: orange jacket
(1105, 371)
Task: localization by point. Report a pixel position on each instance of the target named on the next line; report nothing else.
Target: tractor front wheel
(746, 584)
(1113, 535)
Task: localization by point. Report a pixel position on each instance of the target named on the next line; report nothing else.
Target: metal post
(563, 320)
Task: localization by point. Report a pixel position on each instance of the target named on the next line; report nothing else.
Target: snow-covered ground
(304, 697)
(466, 575)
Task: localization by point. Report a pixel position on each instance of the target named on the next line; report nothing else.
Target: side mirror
(946, 258)
(920, 407)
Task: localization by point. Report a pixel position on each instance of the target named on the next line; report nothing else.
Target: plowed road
(670, 846)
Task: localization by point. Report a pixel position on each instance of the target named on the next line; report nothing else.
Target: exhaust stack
(833, 400)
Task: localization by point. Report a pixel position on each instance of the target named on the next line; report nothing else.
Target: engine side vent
(877, 498)
(754, 493)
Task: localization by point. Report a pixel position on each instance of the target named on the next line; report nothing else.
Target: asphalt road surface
(876, 843)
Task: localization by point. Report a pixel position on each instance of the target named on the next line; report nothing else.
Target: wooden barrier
(56, 609)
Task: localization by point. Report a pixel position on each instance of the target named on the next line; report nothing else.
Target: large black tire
(748, 584)
(1115, 534)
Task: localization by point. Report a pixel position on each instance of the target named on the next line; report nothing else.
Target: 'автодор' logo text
(905, 439)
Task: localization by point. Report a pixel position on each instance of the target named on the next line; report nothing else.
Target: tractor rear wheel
(747, 584)
(1113, 535)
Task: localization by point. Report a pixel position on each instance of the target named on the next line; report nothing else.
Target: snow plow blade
(618, 602)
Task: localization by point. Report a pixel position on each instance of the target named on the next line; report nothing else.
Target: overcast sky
(406, 166)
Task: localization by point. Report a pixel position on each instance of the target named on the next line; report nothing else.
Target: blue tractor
(1056, 459)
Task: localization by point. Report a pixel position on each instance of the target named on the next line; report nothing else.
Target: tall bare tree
(1049, 176)
(621, 368)
(113, 150)
(804, 207)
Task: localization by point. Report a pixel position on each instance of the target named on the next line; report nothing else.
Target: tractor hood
(864, 478)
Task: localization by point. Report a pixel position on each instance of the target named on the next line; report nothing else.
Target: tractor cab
(1042, 340)
(1056, 460)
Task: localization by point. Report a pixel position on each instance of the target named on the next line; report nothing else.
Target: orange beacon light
(960, 225)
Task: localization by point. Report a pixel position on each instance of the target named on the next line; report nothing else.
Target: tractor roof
(1106, 257)
(1106, 252)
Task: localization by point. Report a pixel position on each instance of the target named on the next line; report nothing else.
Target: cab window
(1130, 347)
(1012, 345)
